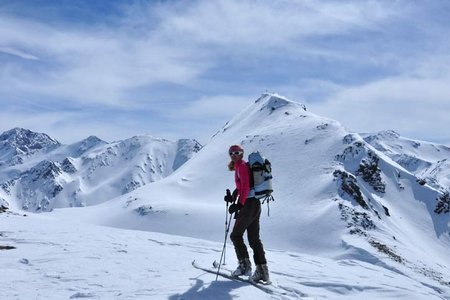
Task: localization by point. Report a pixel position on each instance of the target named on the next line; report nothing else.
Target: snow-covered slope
(87, 172)
(59, 259)
(335, 195)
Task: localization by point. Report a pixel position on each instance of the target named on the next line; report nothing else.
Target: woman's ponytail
(231, 166)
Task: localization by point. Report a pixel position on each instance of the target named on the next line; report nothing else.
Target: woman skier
(248, 212)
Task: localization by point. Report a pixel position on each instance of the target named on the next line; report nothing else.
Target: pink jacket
(242, 179)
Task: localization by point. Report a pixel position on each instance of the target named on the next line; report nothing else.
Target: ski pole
(226, 224)
(224, 245)
(226, 227)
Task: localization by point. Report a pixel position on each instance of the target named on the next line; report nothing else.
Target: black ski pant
(248, 219)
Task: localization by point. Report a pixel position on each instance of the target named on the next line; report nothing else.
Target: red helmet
(234, 148)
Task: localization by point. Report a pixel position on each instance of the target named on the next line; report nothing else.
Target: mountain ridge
(83, 173)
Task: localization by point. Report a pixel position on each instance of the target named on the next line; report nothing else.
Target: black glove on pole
(228, 197)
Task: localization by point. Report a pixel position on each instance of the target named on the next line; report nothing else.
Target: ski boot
(261, 274)
(244, 268)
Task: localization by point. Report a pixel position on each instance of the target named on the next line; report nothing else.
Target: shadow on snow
(217, 290)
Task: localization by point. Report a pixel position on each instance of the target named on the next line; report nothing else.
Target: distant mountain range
(37, 173)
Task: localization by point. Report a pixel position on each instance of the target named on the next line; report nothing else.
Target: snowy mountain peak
(18, 143)
(79, 148)
(272, 101)
(390, 134)
(92, 140)
(385, 135)
(269, 109)
(427, 161)
(27, 140)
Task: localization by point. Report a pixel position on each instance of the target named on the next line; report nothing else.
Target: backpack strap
(268, 198)
(250, 175)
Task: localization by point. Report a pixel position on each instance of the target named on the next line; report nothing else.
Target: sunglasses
(236, 153)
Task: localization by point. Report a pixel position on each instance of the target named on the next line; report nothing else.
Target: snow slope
(71, 260)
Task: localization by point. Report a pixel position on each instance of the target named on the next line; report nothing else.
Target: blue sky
(181, 69)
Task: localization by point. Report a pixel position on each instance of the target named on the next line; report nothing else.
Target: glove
(235, 207)
(228, 197)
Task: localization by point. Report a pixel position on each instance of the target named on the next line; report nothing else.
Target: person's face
(236, 155)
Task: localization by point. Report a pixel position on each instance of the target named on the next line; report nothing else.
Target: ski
(263, 287)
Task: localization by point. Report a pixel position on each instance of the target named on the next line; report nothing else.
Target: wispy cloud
(18, 53)
(102, 64)
(206, 55)
(221, 106)
(415, 107)
(94, 66)
(273, 23)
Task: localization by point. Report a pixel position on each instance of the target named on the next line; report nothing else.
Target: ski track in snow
(57, 259)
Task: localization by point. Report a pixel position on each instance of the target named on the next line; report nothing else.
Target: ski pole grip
(228, 198)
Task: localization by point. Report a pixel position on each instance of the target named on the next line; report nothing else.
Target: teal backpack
(261, 177)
